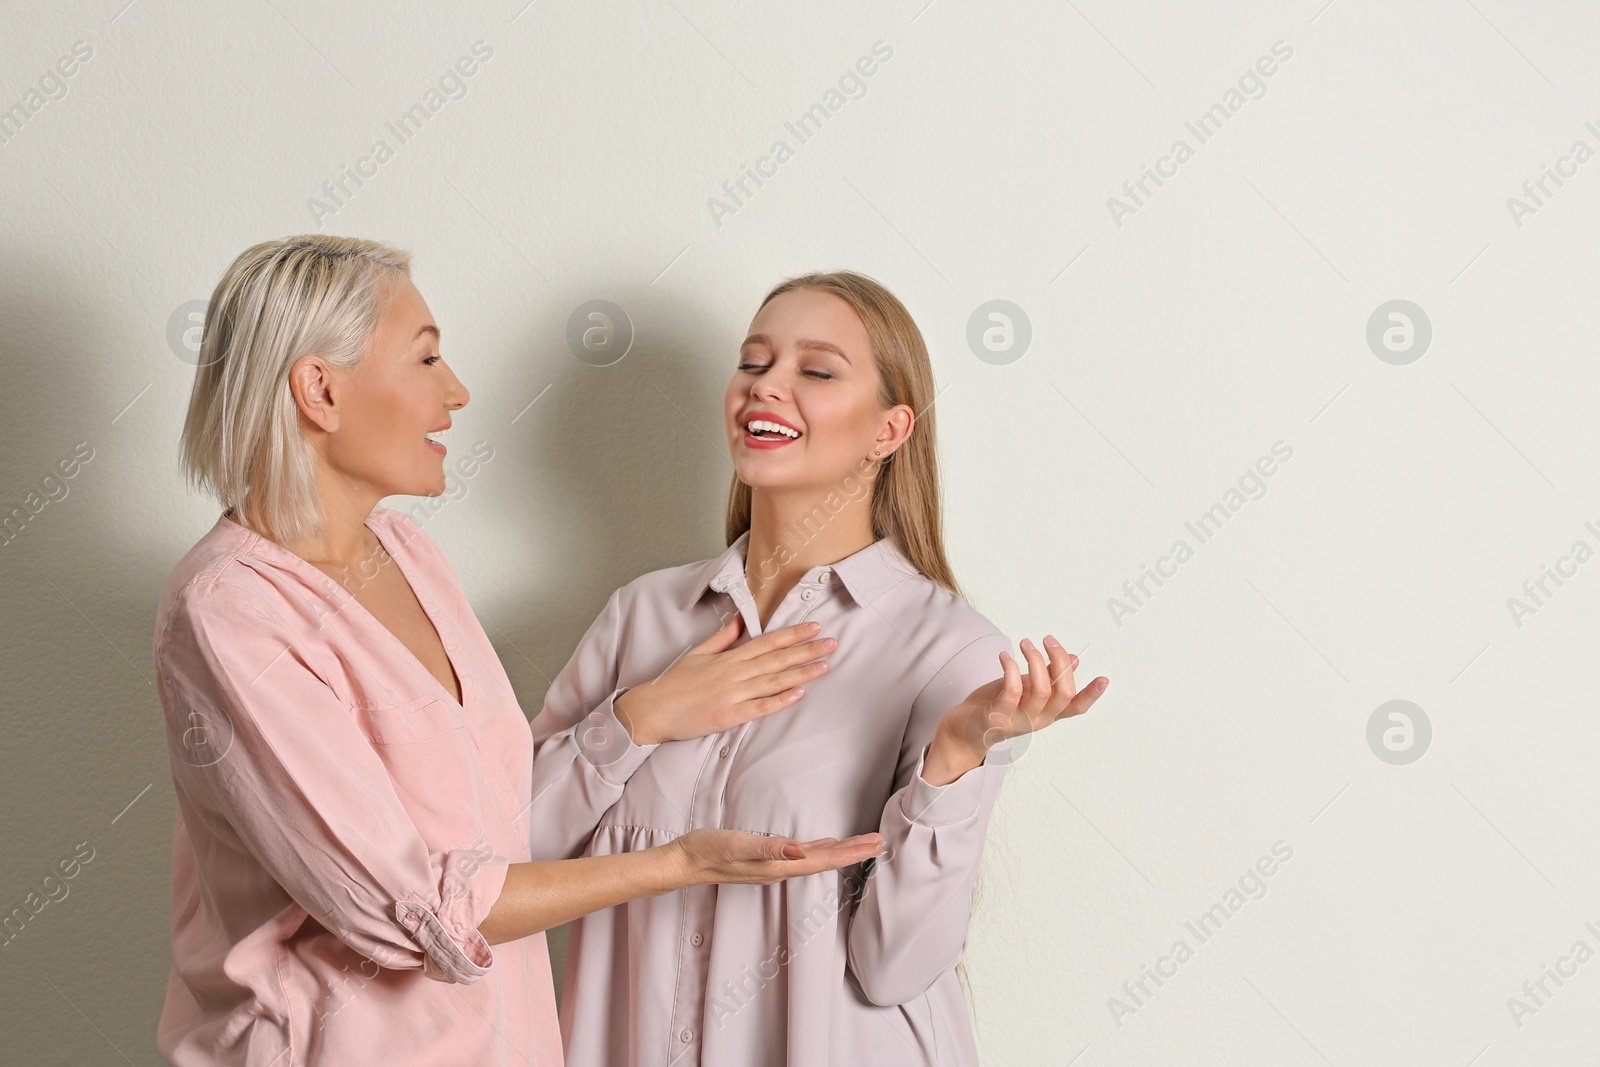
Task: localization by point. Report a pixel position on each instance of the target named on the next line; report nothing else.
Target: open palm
(1015, 703)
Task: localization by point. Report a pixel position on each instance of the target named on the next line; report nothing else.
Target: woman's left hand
(1010, 706)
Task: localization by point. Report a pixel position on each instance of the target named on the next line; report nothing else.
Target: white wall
(1227, 312)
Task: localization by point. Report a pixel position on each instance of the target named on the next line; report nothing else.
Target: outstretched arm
(538, 896)
(911, 924)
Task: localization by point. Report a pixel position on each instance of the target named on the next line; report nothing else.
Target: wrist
(626, 707)
(675, 868)
(947, 760)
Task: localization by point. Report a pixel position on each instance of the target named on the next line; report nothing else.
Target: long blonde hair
(905, 492)
(307, 295)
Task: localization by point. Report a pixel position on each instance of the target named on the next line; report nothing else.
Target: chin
(762, 473)
(427, 485)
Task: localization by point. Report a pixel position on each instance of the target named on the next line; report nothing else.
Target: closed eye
(819, 375)
(431, 360)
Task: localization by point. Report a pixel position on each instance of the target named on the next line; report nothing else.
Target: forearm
(541, 895)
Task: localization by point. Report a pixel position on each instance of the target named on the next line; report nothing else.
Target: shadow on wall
(618, 470)
(87, 843)
(621, 470)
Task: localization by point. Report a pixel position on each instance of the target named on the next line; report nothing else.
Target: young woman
(353, 773)
(833, 518)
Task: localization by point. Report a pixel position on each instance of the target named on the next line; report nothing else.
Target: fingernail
(830, 644)
(813, 627)
(1027, 645)
(794, 852)
(798, 692)
(1051, 642)
(822, 665)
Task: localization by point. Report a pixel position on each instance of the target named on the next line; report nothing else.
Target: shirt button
(809, 594)
(697, 939)
(721, 755)
(687, 1036)
(826, 576)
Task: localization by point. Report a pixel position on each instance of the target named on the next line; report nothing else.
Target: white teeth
(763, 426)
(436, 436)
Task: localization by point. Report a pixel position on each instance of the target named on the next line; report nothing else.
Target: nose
(455, 394)
(769, 386)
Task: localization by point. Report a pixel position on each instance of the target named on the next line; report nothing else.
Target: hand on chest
(823, 766)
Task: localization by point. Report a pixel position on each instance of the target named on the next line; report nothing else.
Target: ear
(311, 383)
(897, 425)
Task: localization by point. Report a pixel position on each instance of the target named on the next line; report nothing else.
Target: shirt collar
(866, 575)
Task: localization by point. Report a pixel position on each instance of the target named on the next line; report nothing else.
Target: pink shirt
(814, 971)
(343, 823)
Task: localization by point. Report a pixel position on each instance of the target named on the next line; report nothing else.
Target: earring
(877, 451)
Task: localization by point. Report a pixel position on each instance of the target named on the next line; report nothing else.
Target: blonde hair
(905, 492)
(280, 300)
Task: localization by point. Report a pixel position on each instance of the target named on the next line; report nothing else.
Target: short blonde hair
(280, 300)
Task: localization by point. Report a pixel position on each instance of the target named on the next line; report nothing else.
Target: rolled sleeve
(271, 769)
(448, 930)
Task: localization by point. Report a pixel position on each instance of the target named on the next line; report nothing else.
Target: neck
(343, 544)
(792, 531)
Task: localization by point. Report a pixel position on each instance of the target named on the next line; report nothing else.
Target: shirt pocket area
(433, 764)
(423, 719)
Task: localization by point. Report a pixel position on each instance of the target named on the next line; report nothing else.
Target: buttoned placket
(710, 791)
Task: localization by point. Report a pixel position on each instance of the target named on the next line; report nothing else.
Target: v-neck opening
(427, 612)
(461, 679)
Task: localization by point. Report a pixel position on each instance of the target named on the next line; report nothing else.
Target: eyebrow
(428, 328)
(804, 342)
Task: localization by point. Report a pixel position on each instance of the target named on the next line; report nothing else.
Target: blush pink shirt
(830, 969)
(343, 823)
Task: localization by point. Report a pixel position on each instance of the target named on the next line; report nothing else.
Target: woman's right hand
(715, 687)
(707, 856)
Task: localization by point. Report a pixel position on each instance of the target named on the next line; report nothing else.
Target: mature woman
(352, 875)
(833, 518)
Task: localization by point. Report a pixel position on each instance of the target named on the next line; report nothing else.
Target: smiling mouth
(769, 432)
(434, 439)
